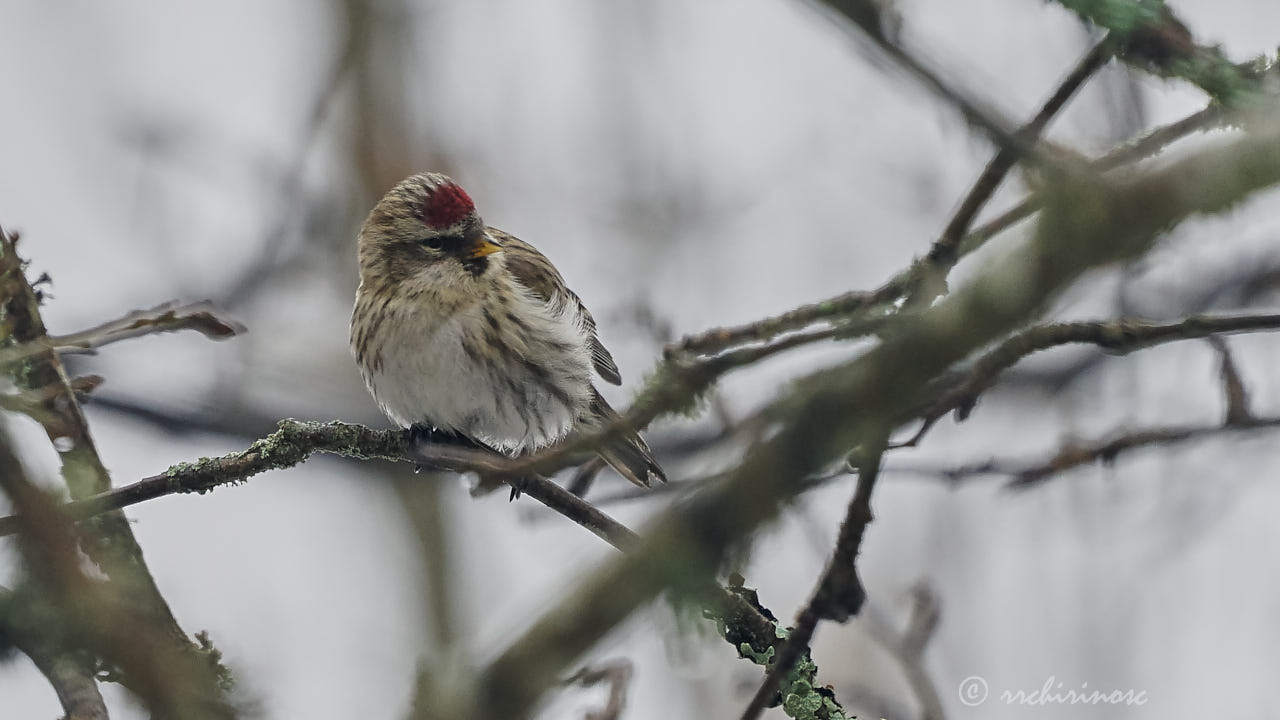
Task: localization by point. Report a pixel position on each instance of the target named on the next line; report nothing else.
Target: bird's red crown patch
(446, 206)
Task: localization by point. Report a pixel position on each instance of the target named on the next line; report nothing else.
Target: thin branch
(290, 190)
(1026, 474)
(910, 647)
(586, 475)
(1142, 148)
(1233, 389)
(35, 403)
(867, 17)
(863, 303)
(717, 339)
(1120, 336)
(1107, 450)
(1160, 138)
(617, 675)
(168, 317)
(71, 677)
(837, 595)
(907, 646)
(943, 251)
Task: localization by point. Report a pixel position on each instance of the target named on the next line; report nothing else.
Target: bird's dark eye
(443, 241)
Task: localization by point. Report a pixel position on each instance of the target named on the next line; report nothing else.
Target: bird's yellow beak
(480, 247)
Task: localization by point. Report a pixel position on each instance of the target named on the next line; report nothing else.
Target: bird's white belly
(443, 374)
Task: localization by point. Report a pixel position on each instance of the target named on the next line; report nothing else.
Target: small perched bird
(465, 329)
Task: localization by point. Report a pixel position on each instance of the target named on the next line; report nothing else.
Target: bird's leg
(423, 433)
(420, 433)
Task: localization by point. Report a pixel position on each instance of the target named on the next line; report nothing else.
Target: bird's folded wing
(533, 270)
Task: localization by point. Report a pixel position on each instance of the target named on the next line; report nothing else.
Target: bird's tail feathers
(628, 455)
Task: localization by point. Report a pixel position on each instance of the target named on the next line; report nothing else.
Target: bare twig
(943, 251)
(866, 16)
(1107, 450)
(1117, 336)
(168, 317)
(919, 631)
(35, 403)
(585, 475)
(1140, 149)
(1233, 389)
(617, 674)
(290, 190)
(1076, 453)
(908, 647)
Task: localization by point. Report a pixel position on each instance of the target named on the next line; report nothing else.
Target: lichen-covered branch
(1152, 38)
(838, 595)
(75, 618)
(109, 540)
(295, 441)
(1086, 224)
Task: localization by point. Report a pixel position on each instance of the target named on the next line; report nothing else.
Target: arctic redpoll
(465, 329)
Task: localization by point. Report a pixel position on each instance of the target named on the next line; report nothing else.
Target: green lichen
(213, 656)
(760, 658)
(1122, 16)
(801, 697)
(802, 700)
(1149, 36)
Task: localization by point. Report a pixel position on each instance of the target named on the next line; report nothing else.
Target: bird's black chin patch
(476, 266)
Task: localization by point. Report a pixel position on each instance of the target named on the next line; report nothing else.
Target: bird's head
(426, 227)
